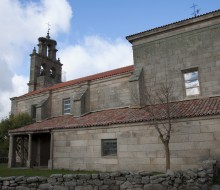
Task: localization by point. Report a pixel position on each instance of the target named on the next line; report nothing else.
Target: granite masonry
(101, 122)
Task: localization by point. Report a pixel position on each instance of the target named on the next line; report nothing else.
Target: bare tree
(160, 109)
(158, 100)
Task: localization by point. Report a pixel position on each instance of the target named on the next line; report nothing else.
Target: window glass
(191, 80)
(109, 147)
(66, 106)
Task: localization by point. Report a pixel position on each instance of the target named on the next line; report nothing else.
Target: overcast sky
(90, 34)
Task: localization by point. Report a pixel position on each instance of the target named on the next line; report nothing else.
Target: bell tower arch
(45, 69)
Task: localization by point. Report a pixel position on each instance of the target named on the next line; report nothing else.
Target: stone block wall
(110, 93)
(138, 146)
(166, 55)
(102, 94)
(24, 104)
(196, 179)
(57, 99)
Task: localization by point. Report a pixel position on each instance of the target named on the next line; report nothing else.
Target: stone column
(11, 153)
(29, 161)
(22, 152)
(50, 162)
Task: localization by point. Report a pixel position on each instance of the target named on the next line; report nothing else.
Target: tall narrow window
(34, 111)
(109, 147)
(66, 106)
(52, 72)
(191, 82)
(42, 70)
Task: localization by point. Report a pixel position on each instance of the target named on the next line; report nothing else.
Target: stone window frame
(109, 147)
(67, 110)
(191, 70)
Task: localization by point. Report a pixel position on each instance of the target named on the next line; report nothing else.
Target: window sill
(110, 156)
(67, 114)
(192, 97)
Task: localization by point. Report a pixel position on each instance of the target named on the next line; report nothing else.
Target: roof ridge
(172, 23)
(96, 76)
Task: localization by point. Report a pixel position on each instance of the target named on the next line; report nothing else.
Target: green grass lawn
(5, 171)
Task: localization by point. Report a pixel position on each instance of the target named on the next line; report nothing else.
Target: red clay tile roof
(84, 79)
(181, 109)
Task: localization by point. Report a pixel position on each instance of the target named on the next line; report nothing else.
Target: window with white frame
(109, 147)
(66, 106)
(191, 82)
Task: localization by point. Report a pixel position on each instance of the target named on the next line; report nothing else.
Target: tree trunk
(167, 154)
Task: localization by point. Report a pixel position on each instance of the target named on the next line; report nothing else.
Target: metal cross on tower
(195, 10)
(48, 29)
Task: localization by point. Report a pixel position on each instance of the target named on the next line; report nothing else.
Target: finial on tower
(34, 50)
(48, 30)
(195, 10)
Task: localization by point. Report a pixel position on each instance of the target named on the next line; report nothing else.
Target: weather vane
(48, 29)
(195, 10)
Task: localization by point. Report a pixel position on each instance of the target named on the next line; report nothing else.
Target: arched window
(48, 50)
(42, 70)
(52, 72)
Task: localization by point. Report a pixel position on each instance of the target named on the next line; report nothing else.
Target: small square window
(109, 147)
(191, 82)
(66, 106)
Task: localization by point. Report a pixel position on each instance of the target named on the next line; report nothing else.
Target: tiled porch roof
(181, 109)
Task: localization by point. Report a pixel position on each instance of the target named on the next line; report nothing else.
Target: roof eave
(174, 26)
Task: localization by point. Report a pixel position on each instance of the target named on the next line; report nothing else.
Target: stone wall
(24, 104)
(103, 94)
(138, 146)
(167, 54)
(110, 93)
(196, 179)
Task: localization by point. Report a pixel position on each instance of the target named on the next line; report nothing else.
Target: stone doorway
(40, 150)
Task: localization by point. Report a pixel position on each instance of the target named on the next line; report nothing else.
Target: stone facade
(101, 94)
(168, 51)
(185, 53)
(139, 147)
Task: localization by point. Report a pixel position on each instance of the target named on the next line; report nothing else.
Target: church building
(104, 121)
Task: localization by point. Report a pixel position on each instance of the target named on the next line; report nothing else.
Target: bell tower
(45, 68)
